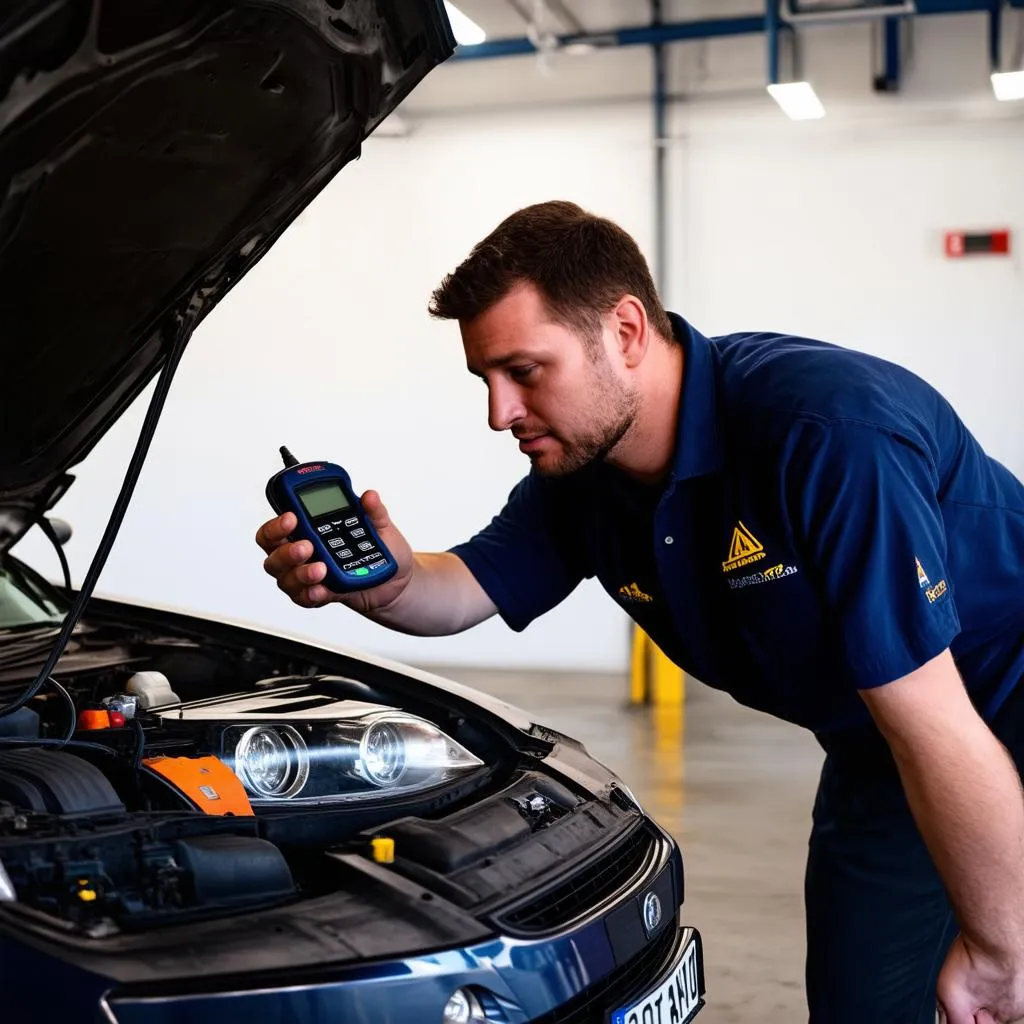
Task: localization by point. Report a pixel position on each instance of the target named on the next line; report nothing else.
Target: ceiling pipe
(660, 104)
(888, 80)
(771, 29)
(995, 35)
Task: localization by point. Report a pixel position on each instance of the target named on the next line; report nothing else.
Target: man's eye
(521, 373)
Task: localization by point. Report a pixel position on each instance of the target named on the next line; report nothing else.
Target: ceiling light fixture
(798, 100)
(467, 32)
(1008, 85)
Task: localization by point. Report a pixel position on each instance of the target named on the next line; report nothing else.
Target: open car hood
(151, 151)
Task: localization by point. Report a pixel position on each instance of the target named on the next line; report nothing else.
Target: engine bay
(179, 777)
(195, 778)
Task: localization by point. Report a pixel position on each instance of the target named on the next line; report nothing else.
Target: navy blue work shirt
(828, 524)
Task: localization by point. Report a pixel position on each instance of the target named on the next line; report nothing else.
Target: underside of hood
(151, 151)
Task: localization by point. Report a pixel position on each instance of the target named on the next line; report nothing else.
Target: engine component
(22, 724)
(206, 782)
(54, 782)
(152, 689)
(233, 869)
(93, 718)
(123, 703)
(115, 876)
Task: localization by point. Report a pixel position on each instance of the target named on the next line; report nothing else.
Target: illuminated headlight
(382, 755)
(362, 758)
(463, 1008)
(272, 761)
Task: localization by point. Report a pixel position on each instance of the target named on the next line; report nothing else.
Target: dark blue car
(199, 821)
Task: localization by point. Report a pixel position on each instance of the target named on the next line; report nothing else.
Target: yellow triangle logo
(745, 548)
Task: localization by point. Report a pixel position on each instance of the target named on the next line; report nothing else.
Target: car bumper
(553, 988)
(578, 976)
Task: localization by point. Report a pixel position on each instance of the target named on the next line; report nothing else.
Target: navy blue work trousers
(879, 923)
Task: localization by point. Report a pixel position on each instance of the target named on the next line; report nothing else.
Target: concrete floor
(735, 788)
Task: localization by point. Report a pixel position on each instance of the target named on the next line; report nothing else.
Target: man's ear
(632, 331)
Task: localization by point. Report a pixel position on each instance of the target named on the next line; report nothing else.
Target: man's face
(564, 398)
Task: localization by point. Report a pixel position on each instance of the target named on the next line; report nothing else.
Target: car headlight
(272, 762)
(382, 758)
(363, 758)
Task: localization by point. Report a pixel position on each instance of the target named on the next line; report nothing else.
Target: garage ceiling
(736, 66)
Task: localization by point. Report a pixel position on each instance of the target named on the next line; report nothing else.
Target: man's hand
(432, 594)
(965, 794)
(289, 562)
(975, 988)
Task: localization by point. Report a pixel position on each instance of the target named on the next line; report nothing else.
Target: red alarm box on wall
(977, 243)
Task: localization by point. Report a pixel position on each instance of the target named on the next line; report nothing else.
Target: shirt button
(668, 540)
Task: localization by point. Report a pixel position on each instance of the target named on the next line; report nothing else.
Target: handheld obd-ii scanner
(331, 518)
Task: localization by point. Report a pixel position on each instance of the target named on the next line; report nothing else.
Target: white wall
(828, 228)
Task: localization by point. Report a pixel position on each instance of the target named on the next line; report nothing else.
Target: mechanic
(810, 528)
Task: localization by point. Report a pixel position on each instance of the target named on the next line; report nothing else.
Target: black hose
(131, 477)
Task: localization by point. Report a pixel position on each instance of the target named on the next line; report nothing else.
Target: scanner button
(336, 542)
(354, 521)
(344, 553)
(366, 545)
(326, 528)
(359, 533)
(361, 572)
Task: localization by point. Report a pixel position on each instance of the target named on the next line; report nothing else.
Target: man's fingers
(287, 557)
(318, 595)
(312, 573)
(273, 533)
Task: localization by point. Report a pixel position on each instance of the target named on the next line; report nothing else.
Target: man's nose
(504, 406)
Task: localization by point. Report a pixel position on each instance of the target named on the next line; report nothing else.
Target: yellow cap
(383, 850)
(87, 895)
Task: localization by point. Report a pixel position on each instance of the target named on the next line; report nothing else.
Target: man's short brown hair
(580, 263)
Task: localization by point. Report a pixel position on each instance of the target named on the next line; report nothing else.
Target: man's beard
(618, 405)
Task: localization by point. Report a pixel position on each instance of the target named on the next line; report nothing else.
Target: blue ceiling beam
(683, 31)
(641, 35)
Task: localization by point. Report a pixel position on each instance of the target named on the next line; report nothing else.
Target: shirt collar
(698, 450)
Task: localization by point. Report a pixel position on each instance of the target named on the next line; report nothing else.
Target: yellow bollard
(654, 678)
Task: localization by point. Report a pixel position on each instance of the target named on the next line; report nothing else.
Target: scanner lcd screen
(322, 499)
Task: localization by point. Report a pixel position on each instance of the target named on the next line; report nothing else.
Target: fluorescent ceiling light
(1008, 85)
(798, 100)
(467, 32)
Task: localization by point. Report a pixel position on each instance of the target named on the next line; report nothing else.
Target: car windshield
(23, 605)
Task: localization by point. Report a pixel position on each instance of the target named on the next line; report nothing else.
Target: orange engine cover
(206, 781)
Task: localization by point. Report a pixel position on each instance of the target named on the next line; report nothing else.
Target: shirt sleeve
(528, 558)
(865, 513)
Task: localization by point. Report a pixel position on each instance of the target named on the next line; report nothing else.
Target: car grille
(556, 907)
(618, 988)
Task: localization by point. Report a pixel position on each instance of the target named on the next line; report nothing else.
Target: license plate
(677, 999)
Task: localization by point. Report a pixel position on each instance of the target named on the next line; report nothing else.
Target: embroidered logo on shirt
(776, 572)
(631, 592)
(922, 577)
(744, 549)
(932, 593)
